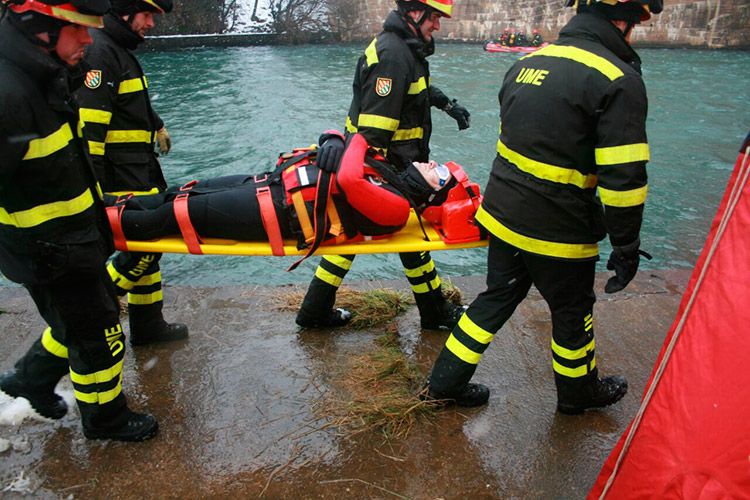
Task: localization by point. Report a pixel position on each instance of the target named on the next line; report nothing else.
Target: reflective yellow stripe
(45, 213)
(339, 261)
(145, 299)
(118, 136)
(573, 354)
(421, 270)
(461, 351)
(328, 277)
(96, 148)
(580, 56)
(542, 247)
(150, 279)
(377, 121)
(134, 193)
(52, 346)
(119, 279)
(417, 87)
(546, 171)
(475, 331)
(77, 18)
(624, 199)
(350, 126)
(580, 371)
(132, 85)
(408, 134)
(427, 287)
(89, 115)
(99, 397)
(629, 153)
(45, 146)
(100, 377)
(371, 53)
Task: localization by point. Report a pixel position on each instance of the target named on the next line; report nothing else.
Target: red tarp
(691, 436)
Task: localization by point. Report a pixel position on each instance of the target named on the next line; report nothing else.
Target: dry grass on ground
(370, 308)
(377, 391)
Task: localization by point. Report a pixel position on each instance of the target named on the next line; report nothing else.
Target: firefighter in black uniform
(54, 236)
(573, 119)
(122, 128)
(391, 109)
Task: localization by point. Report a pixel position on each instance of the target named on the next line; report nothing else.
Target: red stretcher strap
(114, 214)
(270, 221)
(182, 214)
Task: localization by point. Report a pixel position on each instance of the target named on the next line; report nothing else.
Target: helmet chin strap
(417, 25)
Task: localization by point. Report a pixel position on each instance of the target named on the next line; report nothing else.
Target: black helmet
(130, 7)
(84, 12)
(626, 10)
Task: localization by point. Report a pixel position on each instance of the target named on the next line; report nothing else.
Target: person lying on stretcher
(364, 198)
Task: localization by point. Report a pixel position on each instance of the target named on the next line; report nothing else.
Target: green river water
(233, 110)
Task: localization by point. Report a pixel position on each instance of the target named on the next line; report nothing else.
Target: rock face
(684, 23)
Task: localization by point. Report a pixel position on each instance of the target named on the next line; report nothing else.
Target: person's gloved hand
(330, 152)
(458, 113)
(624, 262)
(163, 141)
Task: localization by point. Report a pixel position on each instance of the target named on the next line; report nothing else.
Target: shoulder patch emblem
(383, 86)
(93, 78)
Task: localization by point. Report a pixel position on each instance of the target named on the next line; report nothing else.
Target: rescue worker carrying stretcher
(121, 128)
(364, 198)
(573, 119)
(54, 237)
(390, 107)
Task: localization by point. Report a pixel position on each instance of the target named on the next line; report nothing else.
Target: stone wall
(694, 23)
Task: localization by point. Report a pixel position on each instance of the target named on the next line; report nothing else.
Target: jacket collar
(592, 26)
(27, 56)
(119, 31)
(395, 23)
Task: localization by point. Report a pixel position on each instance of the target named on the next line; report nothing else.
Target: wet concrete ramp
(237, 407)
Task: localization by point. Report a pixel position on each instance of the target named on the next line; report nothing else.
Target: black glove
(330, 152)
(458, 113)
(624, 262)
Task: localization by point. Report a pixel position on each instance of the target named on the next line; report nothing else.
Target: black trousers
(566, 285)
(224, 207)
(78, 301)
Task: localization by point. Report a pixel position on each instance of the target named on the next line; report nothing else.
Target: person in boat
(391, 102)
(364, 197)
(54, 238)
(122, 130)
(503, 39)
(521, 40)
(536, 39)
(573, 120)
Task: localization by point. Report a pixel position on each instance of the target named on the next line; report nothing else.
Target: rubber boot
(435, 312)
(35, 376)
(470, 395)
(44, 400)
(575, 395)
(317, 309)
(147, 326)
(136, 427)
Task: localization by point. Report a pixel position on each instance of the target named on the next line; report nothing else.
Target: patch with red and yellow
(93, 78)
(383, 86)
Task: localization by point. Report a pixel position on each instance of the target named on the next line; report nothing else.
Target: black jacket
(392, 94)
(120, 124)
(573, 119)
(48, 194)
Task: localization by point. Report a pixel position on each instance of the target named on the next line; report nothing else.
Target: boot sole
(127, 439)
